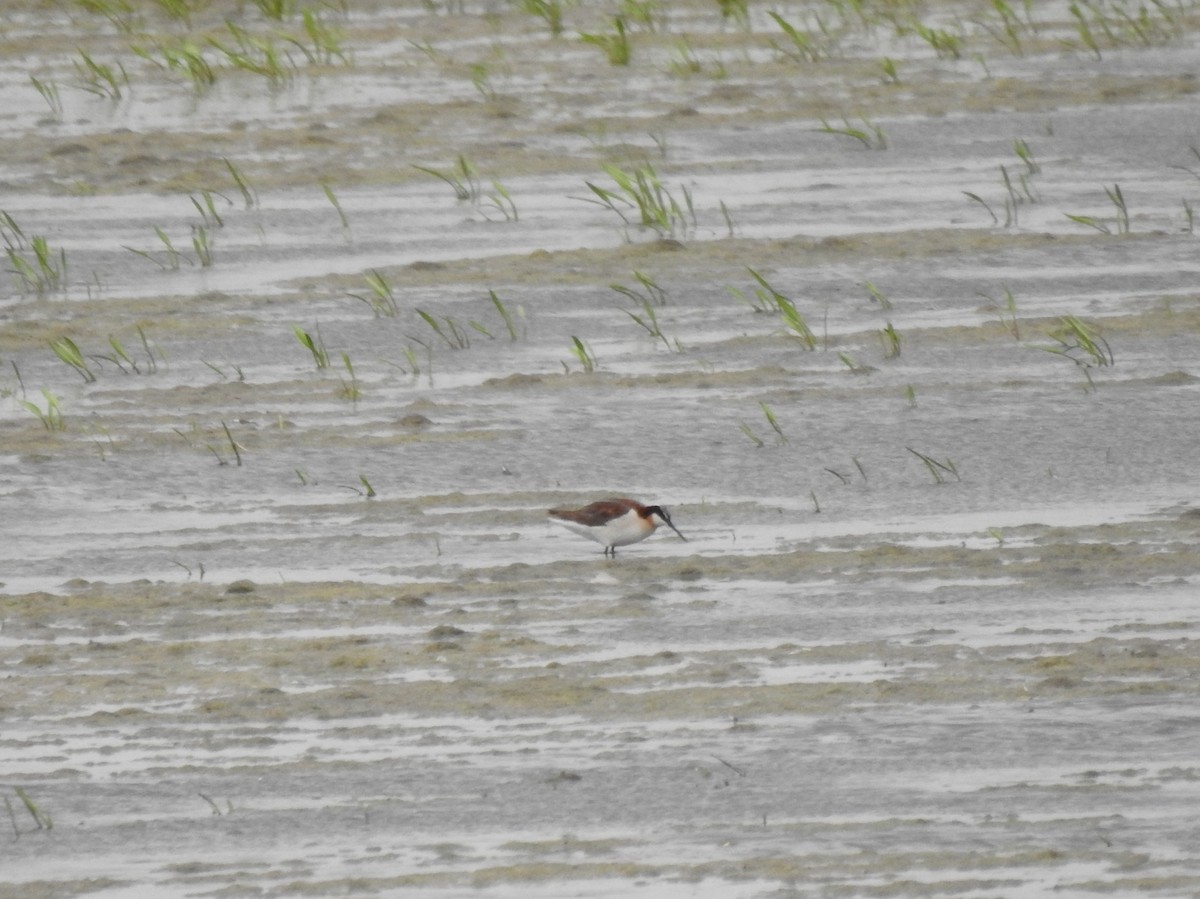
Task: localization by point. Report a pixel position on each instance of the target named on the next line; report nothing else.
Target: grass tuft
(51, 418)
(583, 353)
(614, 44)
(1074, 340)
(314, 345)
(68, 351)
(937, 469)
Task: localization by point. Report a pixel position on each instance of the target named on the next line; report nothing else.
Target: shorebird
(615, 522)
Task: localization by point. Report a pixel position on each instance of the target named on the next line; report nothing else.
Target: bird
(615, 522)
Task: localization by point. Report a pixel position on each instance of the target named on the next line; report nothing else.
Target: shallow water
(228, 670)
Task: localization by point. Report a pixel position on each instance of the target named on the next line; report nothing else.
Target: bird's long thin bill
(676, 530)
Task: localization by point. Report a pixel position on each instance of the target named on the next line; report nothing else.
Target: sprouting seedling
(40, 819)
(324, 46)
(549, 11)
(653, 293)
(582, 352)
(751, 436)
(645, 14)
(736, 10)
(45, 272)
(350, 389)
(837, 474)
(119, 356)
(890, 73)
(120, 13)
(315, 346)
(648, 321)
(1195, 151)
(796, 323)
(256, 54)
(804, 47)
(641, 190)
(1009, 308)
(381, 299)
(414, 364)
(333, 201)
(853, 364)
(173, 256)
(179, 10)
(100, 78)
(1025, 154)
(1011, 27)
(481, 78)
(890, 338)
(937, 469)
(614, 44)
(878, 296)
(1076, 341)
(974, 197)
(463, 179)
(201, 245)
(208, 208)
(49, 92)
(199, 568)
(685, 61)
(13, 234)
(17, 374)
(505, 315)
(249, 194)
(427, 49)
(770, 299)
(910, 396)
(233, 444)
(68, 351)
(725, 214)
(52, 267)
(1090, 221)
(182, 55)
(1014, 197)
(366, 491)
(945, 44)
(870, 135)
(212, 803)
(452, 334)
(769, 414)
(1117, 198)
(502, 200)
(1019, 191)
(275, 9)
(1086, 37)
(812, 43)
(51, 418)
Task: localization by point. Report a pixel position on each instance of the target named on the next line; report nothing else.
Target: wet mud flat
(912, 359)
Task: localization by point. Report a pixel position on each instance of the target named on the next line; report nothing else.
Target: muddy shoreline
(907, 340)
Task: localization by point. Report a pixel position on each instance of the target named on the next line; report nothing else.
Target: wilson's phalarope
(615, 522)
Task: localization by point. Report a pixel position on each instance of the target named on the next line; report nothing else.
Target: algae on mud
(222, 678)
